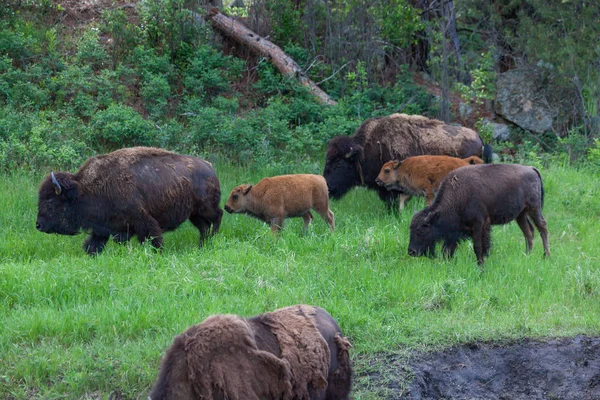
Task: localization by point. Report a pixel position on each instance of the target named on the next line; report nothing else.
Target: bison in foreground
(471, 199)
(356, 160)
(420, 175)
(296, 352)
(138, 191)
(273, 199)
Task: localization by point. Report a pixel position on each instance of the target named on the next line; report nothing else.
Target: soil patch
(566, 368)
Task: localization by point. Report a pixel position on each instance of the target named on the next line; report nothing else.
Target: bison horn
(57, 187)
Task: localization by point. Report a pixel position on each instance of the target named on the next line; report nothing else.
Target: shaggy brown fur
(139, 191)
(273, 199)
(356, 160)
(420, 175)
(292, 353)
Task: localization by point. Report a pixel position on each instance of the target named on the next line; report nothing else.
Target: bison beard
(357, 159)
(292, 353)
(473, 198)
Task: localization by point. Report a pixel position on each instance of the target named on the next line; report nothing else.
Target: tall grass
(75, 326)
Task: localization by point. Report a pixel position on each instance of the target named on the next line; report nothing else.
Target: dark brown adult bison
(138, 191)
(356, 160)
(473, 198)
(293, 353)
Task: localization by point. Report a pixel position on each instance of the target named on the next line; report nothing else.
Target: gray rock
(532, 99)
(500, 132)
(464, 110)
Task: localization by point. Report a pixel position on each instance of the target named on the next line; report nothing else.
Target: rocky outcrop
(533, 99)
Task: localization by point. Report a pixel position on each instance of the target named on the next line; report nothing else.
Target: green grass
(75, 326)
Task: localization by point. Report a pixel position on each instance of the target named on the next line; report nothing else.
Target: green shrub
(155, 91)
(90, 51)
(121, 126)
(209, 73)
(41, 140)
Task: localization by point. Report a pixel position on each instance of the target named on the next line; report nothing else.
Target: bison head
(422, 233)
(56, 206)
(388, 176)
(236, 203)
(342, 166)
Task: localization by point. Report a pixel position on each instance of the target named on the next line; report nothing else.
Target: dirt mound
(555, 369)
(566, 369)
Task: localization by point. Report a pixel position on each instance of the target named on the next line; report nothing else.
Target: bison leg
(327, 215)
(203, 226)
(388, 196)
(481, 240)
(203, 223)
(276, 224)
(429, 196)
(449, 248)
(122, 237)
(524, 224)
(308, 217)
(149, 228)
(541, 224)
(403, 199)
(94, 244)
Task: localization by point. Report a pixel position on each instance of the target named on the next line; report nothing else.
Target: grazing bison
(296, 352)
(420, 175)
(279, 197)
(356, 160)
(471, 199)
(138, 191)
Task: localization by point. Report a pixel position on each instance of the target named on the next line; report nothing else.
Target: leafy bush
(121, 126)
(41, 140)
(90, 51)
(209, 73)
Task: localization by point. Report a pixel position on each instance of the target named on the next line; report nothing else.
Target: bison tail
(488, 152)
(541, 185)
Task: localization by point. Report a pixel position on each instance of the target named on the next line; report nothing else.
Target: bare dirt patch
(566, 368)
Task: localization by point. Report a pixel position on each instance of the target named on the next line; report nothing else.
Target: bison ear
(432, 217)
(354, 151)
(247, 188)
(397, 164)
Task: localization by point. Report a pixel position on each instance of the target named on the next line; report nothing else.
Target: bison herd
(296, 352)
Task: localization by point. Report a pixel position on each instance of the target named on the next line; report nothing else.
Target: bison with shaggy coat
(420, 175)
(273, 199)
(140, 191)
(473, 198)
(296, 352)
(356, 160)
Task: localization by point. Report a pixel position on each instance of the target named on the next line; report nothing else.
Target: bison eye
(235, 196)
(387, 171)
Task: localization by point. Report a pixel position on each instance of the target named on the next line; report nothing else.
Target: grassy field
(74, 326)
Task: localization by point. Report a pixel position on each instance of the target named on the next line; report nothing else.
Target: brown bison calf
(420, 174)
(279, 197)
(296, 352)
(471, 199)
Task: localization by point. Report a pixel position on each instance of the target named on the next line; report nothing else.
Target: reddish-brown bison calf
(273, 199)
(420, 174)
(293, 353)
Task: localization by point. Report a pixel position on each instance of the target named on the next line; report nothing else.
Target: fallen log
(284, 63)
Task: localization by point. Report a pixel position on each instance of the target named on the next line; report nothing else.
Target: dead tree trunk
(284, 63)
